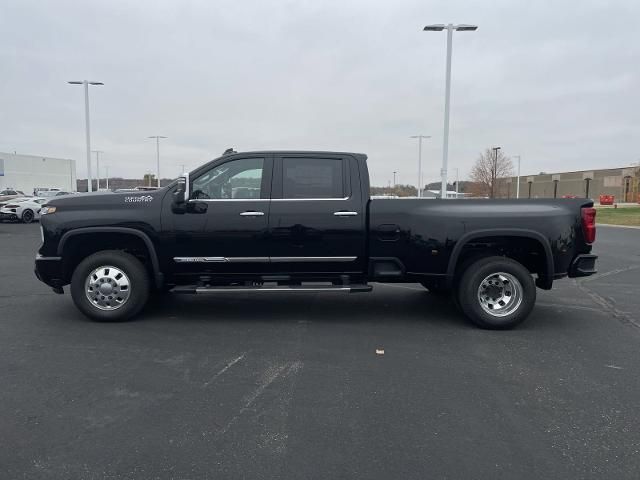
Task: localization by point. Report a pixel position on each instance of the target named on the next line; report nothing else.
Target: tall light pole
(86, 84)
(394, 178)
(97, 152)
(518, 184)
(107, 172)
(494, 170)
(445, 147)
(157, 137)
(420, 137)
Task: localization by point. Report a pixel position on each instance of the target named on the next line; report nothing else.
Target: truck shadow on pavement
(417, 306)
(381, 307)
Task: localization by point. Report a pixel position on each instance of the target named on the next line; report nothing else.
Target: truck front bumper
(583, 265)
(50, 271)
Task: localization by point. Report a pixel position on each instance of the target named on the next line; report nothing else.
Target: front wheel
(110, 286)
(496, 293)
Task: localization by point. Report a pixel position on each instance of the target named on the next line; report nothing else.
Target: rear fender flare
(545, 281)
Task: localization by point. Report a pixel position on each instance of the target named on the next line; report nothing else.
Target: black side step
(353, 288)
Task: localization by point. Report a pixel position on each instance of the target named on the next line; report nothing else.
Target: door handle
(344, 213)
(251, 213)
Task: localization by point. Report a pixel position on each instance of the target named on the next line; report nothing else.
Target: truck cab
(295, 215)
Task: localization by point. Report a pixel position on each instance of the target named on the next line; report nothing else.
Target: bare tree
(488, 169)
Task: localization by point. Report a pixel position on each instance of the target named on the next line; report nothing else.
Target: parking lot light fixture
(97, 152)
(495, 167)
(86, 84)
(157, 137)
(420, 137)
(445, 147)
(518, 184)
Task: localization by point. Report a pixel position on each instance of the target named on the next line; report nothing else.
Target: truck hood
(100, 200)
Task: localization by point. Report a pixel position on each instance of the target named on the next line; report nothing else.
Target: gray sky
(554, 81)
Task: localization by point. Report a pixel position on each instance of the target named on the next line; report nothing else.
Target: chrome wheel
(500, 294)
(107, 288)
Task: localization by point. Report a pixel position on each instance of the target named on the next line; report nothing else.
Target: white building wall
(26, 172)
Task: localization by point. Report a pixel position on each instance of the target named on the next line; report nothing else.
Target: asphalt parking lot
(290, 385)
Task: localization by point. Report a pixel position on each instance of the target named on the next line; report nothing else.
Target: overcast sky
(554, 81)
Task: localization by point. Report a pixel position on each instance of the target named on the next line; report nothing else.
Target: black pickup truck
(275, 221)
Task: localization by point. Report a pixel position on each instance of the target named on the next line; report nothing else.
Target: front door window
(237, 179)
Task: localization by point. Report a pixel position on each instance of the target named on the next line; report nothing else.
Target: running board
(279, 288)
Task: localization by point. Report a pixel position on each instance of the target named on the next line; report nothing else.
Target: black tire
(27, 216)
(138, 285)
(508, 286)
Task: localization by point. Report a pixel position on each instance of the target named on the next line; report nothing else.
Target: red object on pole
(607, 199)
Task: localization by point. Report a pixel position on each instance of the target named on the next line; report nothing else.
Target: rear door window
(313, 178)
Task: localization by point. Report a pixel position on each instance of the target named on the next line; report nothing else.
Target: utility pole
(107, 172)
(518, 184)
(394, 178)
(447, 98)
(494, 171)
(420, 137)
(157, 137)
(86, 84)
(97, 152)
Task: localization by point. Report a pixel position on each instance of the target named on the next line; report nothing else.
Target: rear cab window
(314, 178)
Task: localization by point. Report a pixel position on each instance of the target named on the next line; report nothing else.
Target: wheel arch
(124, 231)
(545, 280)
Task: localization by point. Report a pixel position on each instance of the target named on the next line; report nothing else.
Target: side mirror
(181, 195)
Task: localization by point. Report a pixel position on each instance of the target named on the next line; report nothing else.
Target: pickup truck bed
(428, 238)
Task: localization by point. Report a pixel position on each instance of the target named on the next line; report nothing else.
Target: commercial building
(26, 172)
(623, 183)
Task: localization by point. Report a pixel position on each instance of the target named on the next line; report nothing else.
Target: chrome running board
(355, 288)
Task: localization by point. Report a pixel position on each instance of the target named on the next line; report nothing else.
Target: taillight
(589, 224)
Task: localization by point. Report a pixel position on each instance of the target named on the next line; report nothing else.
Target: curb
(617, 226)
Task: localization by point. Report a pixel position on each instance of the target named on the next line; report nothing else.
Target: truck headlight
(47, 210)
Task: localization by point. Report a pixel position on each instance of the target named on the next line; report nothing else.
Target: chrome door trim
(261, 259)
(308, 199)
(248, 259)
(197, 200)
(252, 214)
(311, 259)
(221, 259)
(199, 259)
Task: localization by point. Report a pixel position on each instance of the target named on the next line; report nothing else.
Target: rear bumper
(49, 270)
(583, 266)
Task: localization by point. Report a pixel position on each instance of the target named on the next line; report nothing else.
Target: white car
(24, 209)
(52, 193)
